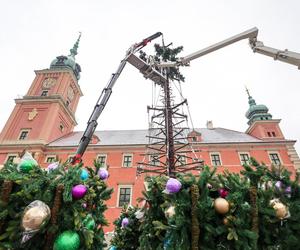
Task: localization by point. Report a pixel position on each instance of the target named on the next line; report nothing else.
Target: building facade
(43, 121)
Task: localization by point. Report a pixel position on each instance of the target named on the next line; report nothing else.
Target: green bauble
(26, 166)
(89, 222)
(68, 240)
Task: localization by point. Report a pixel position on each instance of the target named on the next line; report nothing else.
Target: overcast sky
(33, 33)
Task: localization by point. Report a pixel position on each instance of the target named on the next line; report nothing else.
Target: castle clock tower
(47, 111)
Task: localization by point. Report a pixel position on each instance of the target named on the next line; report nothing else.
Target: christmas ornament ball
(170, 212)
(103, 173)
(26, 166)
(225, 221)
(125, 222)
(173, 186)
(79, 191)
(84, 174)
(68, 240)
(112, 248)
(34, 217)
(221, 206)
(223, 192)
(89, 222)
(280, 210)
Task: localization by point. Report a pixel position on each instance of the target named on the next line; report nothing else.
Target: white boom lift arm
(257, 46)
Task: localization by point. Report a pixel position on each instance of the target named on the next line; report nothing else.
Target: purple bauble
(79, 191)
(173, 186)
(223, 192)
(52, 166)
(278, 185)
(125, 222)
(288, 190)
(103, 173)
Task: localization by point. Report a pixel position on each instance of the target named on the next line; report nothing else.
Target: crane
(155, 71)
(106, 92)
(257, 46)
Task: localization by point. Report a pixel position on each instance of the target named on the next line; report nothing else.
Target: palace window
(24, 134)
(50, 158)
(10, 158)
(44, 93)
(154, 160)
(124, 195)
(101, 160)
(215, 159)
(244, 157)
(127, 160)
(274, 157)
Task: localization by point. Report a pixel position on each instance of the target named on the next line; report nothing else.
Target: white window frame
(275, 152)
(151, 162)
(244, 153)
(215, 153)
(105, 162)
(119, 190)
(70, 156)
(8, 155)
(21, 131)
(48, 156)
(131, 165)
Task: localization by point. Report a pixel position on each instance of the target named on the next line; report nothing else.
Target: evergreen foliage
(125, 238)
(251, 222)
(53, 188)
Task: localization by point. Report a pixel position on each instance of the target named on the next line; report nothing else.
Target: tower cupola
(256, 112)
(68, 61)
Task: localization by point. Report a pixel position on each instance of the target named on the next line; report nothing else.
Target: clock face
(70, 93)
(49, 82)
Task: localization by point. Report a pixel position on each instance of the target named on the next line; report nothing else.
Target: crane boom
(106, 93)
(257, 46)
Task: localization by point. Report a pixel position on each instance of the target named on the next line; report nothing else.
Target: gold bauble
(225, 221)
(221, 206)
(34, 218)
(281, 210)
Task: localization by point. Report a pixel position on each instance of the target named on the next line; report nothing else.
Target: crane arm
(280, 55)
(256, 46)
(104, 97)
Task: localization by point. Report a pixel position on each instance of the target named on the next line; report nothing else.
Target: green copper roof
(68, 61)
(256, 112)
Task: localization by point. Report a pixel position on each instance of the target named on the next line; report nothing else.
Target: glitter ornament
(221, 206)
(52, 166)
(223, 192)
(103, 173)
(79, 191)
(173, 186)
(84, 174)
(125, 222)
(68, 240)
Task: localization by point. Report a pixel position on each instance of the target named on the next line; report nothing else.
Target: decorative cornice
(249, 130)
(53, 99)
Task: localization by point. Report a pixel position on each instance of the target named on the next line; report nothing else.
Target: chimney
(209, 125)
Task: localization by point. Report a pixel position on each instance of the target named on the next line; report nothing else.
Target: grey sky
(33, 33)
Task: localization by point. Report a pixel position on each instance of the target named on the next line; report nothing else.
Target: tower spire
(256, 112)
(73, 51)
